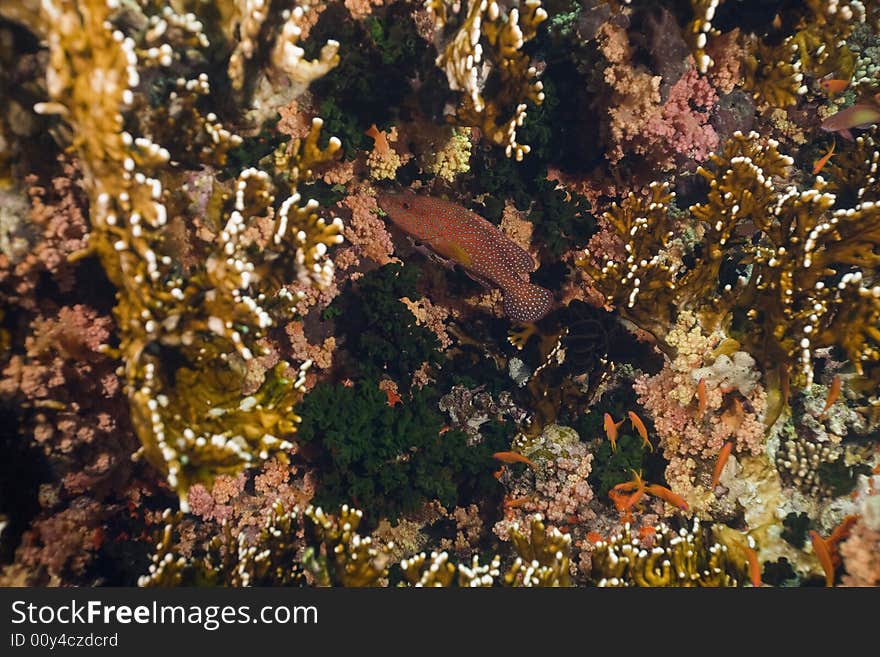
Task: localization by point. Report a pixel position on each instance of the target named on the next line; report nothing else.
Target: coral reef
(520, 292)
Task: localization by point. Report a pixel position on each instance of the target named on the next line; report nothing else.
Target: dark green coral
(380, 329)
(390, 459)
(373, 77)
(796, 526)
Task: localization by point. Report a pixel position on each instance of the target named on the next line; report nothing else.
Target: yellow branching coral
(422, 571)
(435, 571)
(817, 47)
(331, 553)
(269, 559)
(699, 29)
(341, 556)
(290, 57)
(821, 36)
(487, 45)
(773, 75)
(543, 560)
(186, 336)
(314, 548)
(248, 19)
(807, 266)
(852, 173)
(811, 282)
(544, 556)
(640, 283)
(686, 558)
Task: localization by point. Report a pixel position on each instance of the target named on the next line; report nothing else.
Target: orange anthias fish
(667, 496)
(464, 237)
(842, 531)
(819, 164)
(514, 457)
(824, 553)
(833, 86)
(754, 566)
(723, 455)
(640, 428)
(833, 394)
(393, 397)
(611, 428)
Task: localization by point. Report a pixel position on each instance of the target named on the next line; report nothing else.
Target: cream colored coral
(453, 158)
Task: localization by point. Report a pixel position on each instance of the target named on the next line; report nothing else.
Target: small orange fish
(618, 499)
(630, 501)
(819, 164)
(623, 502)
(393, 397)
(639, 426)
(723, 455)
(833, 394)
(702, 398)
(635, 483)
(500, 471)
(667, 496)
(754, 566)
(833, 86)
(823, 553)
(611, 428)
(514, 457)
(842, 531)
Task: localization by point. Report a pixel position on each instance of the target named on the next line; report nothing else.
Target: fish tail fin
(526, 302)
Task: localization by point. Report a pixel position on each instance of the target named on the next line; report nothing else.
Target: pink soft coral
(690, 436)
(682, 125)
(366, 231)
(861, 550)
(665, 133)
(57, 217)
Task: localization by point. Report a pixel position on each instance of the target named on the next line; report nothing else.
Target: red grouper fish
(478, 246)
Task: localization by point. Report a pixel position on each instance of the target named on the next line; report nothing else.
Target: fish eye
(406, 206)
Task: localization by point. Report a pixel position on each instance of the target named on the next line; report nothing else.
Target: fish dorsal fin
(520, 259)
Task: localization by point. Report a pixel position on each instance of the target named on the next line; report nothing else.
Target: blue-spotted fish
(478, 246)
